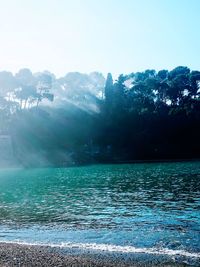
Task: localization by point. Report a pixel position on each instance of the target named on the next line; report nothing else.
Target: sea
(146, 209)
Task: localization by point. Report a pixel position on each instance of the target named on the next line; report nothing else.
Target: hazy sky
(118, 36)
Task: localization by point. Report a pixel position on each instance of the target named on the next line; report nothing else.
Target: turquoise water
(131, 208)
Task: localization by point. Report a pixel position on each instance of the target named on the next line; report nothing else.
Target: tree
(7, 83)
(43, 87)
(109, 88)
(26, 94)
(194, 84)
(25, 77)
(178, 81)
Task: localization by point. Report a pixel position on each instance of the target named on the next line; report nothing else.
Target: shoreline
(114, 162)
(13, 254)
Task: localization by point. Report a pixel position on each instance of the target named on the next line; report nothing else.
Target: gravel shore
(43, 256)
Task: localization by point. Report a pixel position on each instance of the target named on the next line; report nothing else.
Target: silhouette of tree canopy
(87, 118)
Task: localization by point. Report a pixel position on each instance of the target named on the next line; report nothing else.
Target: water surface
(150, 207)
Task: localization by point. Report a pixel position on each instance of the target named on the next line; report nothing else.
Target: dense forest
(85, 118)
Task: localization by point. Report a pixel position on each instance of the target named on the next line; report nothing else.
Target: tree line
(153, 115)
(83, 118)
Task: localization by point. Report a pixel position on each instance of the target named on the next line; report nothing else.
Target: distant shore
(115, 162)
(43, 256)
(153, 161)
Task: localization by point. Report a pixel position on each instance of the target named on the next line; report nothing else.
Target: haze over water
(143, 206)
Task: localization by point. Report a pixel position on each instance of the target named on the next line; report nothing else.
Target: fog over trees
(86, 118)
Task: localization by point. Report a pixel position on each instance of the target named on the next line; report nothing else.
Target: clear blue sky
(118, 36)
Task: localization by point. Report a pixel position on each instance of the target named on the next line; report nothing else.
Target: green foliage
(143, 115)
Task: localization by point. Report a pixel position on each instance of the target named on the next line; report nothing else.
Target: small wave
(112, 248)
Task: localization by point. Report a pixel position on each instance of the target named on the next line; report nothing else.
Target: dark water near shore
(151, 208)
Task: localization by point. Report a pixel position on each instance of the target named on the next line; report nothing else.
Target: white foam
(112, 248)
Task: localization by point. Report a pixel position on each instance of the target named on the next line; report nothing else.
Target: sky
(117, 36)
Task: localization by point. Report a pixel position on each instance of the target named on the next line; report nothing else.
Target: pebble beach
(44, 256)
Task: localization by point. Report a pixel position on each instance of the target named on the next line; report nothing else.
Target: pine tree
(109, 88)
